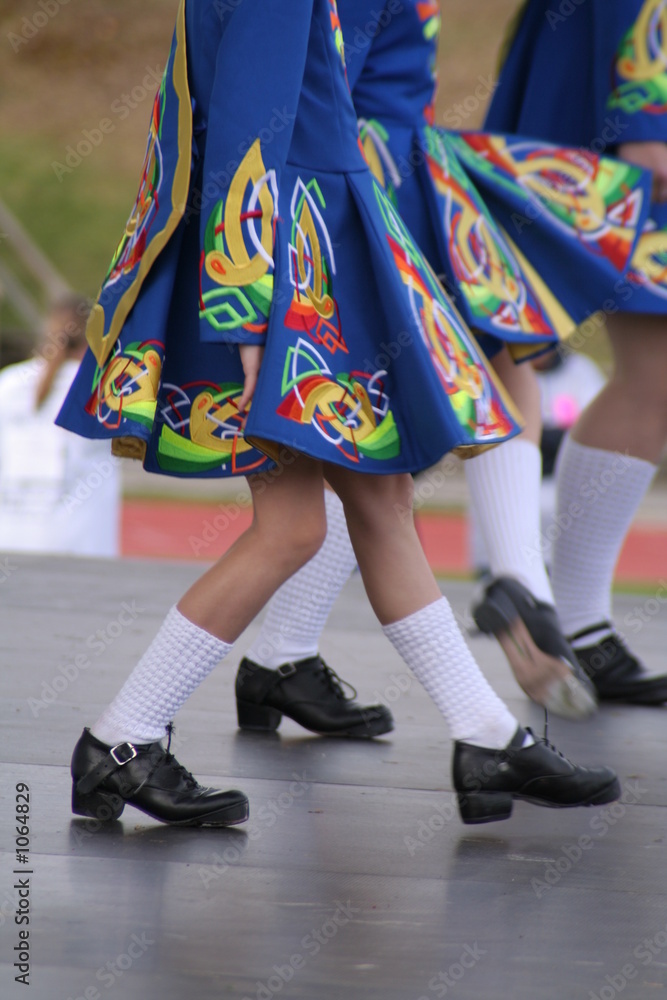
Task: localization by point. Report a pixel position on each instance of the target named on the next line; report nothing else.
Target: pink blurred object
(566, 410)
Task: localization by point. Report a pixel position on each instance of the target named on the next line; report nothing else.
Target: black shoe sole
(231, 815)
(264, 719)
(106, 806)
(643, 693)
(491, 807)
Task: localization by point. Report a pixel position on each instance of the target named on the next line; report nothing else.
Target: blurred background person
(59, 493)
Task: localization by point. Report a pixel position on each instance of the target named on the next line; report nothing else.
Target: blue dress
(529, 238)
(596, 78)
(258, 221)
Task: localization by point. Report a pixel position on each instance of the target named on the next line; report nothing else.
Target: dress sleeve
(253, 107)
(361, 22)
(631, 61)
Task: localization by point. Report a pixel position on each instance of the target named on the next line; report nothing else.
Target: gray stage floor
(354, 876)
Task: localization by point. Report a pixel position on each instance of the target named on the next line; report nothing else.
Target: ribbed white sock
(598, 495)
(431, 644)
(179, 658)
(504, 486)
(297, 613)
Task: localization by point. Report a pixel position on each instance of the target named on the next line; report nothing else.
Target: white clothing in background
(567, 390)
(59, 493)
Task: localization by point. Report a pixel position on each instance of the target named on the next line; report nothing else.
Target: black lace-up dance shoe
(310, 693)
(540, 656)
(487, 781)
(616, 674)
(149, 778)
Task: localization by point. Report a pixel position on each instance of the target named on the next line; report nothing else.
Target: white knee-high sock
(431, 644)
(179, 658)
(297, 613)
(504, 485)
(598, 495)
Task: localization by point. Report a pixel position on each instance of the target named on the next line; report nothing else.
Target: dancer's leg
(415, 616)
(122, 759)
(604, 472)
(398, 580)
(607, 469)
(288, 527)
(504, 486)
(283, 673)
(518, 605)
(505, 491)
(494, 759)
(629, 415)
(297, 613)
(398, 583)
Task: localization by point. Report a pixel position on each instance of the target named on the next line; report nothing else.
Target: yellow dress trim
(560, 319)
(129, 447)
(101, 344)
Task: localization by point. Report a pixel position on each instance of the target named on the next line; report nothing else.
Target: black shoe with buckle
(310, 693)
(616, 674)
(543, 662)
(487, 781)
(148, 777)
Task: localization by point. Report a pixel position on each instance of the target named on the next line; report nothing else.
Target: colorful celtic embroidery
(126, 387)
(374, 139)
(134, 240)
(475, 398)
(596, 201)
(649, 261)
(238, 250)
(201, 430)
(640, 68)
(312, 266)
(486, 270)
(350, 410)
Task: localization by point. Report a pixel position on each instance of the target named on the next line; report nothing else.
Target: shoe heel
(260, 717)
(484, 807)
(495, 614)
(102, 806)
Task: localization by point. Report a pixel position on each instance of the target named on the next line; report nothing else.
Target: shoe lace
(335, 683)
(545, 738)
(173, 764)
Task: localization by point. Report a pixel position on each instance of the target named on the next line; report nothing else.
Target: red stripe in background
(174, 529)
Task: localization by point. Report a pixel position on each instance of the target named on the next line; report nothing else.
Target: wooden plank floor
(354, 876)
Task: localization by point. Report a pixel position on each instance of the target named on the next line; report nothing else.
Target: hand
(652, 156)
(251, 359)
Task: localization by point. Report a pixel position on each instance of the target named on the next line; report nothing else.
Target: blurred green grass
(63, 79)
(75, 221)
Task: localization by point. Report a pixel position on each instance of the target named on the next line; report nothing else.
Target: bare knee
(374, 503)
(295, 539)
(307, 535)
(289, 517)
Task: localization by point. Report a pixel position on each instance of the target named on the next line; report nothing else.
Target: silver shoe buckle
(286, 669)
(125, 760)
